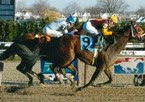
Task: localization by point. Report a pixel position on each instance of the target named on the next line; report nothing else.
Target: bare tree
(93, 10)
(141, 11)
(39, 7)
(43, 9)
(71, 8)
(112, 6)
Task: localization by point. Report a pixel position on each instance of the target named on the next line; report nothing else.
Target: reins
(121, 35)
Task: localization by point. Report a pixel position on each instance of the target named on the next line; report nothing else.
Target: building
(7, 9)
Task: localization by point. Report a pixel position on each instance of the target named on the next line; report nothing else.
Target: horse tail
(73, 69)
(9, 52)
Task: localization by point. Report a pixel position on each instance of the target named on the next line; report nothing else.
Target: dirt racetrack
(14, 89)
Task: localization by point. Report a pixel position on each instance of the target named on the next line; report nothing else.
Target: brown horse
(64, 50)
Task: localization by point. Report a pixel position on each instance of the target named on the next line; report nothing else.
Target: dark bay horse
(28, 48)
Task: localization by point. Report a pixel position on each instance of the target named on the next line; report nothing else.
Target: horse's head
(123, 30)
(135, 30)
(40, 37)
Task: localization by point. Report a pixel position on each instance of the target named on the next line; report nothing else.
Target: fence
(4, 46)
(131, 60)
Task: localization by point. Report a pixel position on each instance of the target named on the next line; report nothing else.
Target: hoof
(30, 84)
(41, 81)
(79, 89)
(42, 84)
(73, 84)
(96, 85)
(61, 83)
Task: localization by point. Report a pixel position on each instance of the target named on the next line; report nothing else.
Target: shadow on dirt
(62, 94)
(13, 89)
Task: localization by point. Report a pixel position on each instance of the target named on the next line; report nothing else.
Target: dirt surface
(14, 89)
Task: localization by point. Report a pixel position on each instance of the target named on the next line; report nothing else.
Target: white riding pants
(52, 33)
(89, 28)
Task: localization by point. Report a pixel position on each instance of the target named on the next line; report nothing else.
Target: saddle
(97, 41)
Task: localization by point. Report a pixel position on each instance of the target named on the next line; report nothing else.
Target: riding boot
(95, 55)
(98, 45)
(114, 40)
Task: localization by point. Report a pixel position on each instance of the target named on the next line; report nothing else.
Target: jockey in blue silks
(60, 27)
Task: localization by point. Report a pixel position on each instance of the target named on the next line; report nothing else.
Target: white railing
(133, 49)
(135, 45)
(4, 46)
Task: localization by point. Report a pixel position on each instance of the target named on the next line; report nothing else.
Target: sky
(60, 4)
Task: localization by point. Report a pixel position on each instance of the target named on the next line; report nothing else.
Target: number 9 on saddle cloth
(91, 42)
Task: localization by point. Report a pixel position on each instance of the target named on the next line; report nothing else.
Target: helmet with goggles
(70, 19)
(114, 18)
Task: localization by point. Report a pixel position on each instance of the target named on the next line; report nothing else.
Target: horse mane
(29, 36)
(121, 27)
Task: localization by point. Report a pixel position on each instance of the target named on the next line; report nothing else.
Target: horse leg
(59, 76)
(100, 64)
(73, 69)
(22, 69)
(60, 71)
(39, 76)
(29, 74)
(70, 77)
(93, 78)
(57, 71)
(109, 75)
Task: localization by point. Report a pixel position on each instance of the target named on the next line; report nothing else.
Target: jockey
(60, 27)
(103, 25)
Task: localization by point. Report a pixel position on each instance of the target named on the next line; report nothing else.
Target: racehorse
(28, 48)
(62, 51)
(65, 49)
